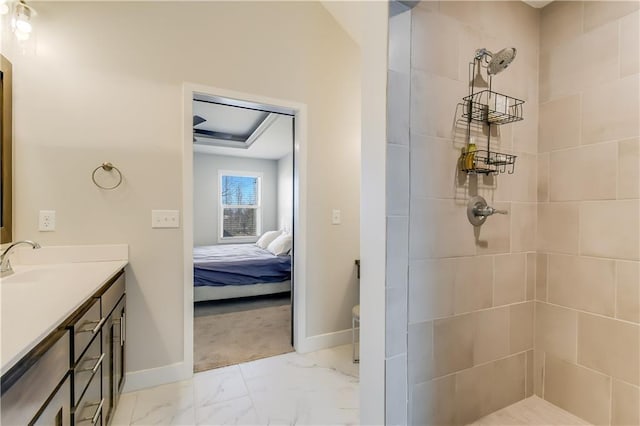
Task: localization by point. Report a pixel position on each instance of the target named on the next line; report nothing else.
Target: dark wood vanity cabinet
(74, 376)
(113, 344)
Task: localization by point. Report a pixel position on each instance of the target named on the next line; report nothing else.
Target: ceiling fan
(197, 120)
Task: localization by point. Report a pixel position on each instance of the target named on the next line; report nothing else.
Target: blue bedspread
(238, 264)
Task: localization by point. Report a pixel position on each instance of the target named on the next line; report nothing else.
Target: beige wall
(587, 345)
(106, 84)
(469, 315)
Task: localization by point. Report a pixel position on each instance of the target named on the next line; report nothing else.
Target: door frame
(299, 112)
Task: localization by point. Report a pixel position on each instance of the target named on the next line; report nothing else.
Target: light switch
(335, 217)
(165, 219)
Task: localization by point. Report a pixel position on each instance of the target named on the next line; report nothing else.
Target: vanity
(63, 343)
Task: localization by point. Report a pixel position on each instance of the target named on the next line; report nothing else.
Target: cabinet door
(119, 345)
(107, 368)
(58, 411)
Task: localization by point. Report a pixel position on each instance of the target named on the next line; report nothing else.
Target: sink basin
(26, 275)
(40, 273)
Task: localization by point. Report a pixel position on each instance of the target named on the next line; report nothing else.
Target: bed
(238, 270)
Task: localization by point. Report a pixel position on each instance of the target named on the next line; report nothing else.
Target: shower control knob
(478, 211)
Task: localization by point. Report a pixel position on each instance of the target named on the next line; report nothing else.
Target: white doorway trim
(299, 110)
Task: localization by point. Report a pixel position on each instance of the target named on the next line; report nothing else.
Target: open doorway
(243, 231)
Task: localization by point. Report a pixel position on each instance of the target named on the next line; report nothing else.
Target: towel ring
(107, 167)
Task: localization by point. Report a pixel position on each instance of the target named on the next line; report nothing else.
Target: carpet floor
(236, 337)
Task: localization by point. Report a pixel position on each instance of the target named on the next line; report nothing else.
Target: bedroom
(243, 220)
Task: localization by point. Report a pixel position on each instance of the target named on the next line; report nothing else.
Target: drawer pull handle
(96, 415)
(96, 366)
(95, 329)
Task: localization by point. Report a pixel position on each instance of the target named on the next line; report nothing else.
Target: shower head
(501, 60)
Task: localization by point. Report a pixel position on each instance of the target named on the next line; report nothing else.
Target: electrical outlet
(165, 219)
(47, 220)
(335, 217)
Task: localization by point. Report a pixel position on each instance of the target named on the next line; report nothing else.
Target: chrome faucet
(5, 265)
(478, 211)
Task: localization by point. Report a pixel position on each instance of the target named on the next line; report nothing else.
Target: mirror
(6, 134)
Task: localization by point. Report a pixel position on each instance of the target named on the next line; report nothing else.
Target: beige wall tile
(398, 95)
(434, 102)
(584, 173)
(559, 124)
(520, 327)
(560, 70)
(494, 236)
(431, 289)
(453, 344)
(508, 384)
(538, 372)
(529, 375)
(629, 168)
(509, 278)
(578, 390)
(560, 21)
(441, 57)
(630, 44)
(609, 346)
(556, 331)
(433, 402)
(523, 225)
(472, 283)
(601, 184)
(625, 404)
(602, 43)
(491, 336)
(400, 43)
(531, 276)
(420, 352)
(541, 277)
(473, 393)
(628, 291)
(558, 227)
(439, 228)
(584, 283)
(525, 132)
(565, 175)
(524, 182)
(543, 177)
(610, 111)
(610, 229)
(489, 387)
(600, 12)
(431, 178)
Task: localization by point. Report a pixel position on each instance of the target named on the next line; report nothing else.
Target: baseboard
(143, 379)
(324, 341)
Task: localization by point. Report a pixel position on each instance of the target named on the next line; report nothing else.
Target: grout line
(523, 353)
(594, 314)
(509, 305)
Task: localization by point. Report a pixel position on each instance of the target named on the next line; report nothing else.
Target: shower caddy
(492, 109)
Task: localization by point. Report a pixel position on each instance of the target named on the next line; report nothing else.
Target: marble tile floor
(318, 388)
(532, 411)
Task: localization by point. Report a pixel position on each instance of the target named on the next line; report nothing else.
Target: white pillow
(281, 245)
(267, 238)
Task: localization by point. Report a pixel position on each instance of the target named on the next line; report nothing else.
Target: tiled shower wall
(460, 308)
(587, 346)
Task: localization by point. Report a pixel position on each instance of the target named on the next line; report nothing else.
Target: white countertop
(38, 298)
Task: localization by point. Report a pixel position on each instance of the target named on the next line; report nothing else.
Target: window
(240, 206)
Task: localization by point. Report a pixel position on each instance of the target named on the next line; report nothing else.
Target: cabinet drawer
(24, 398)
(85, 329)
(57, 411)
(89, 410)
(88, 365)
(113, 294)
